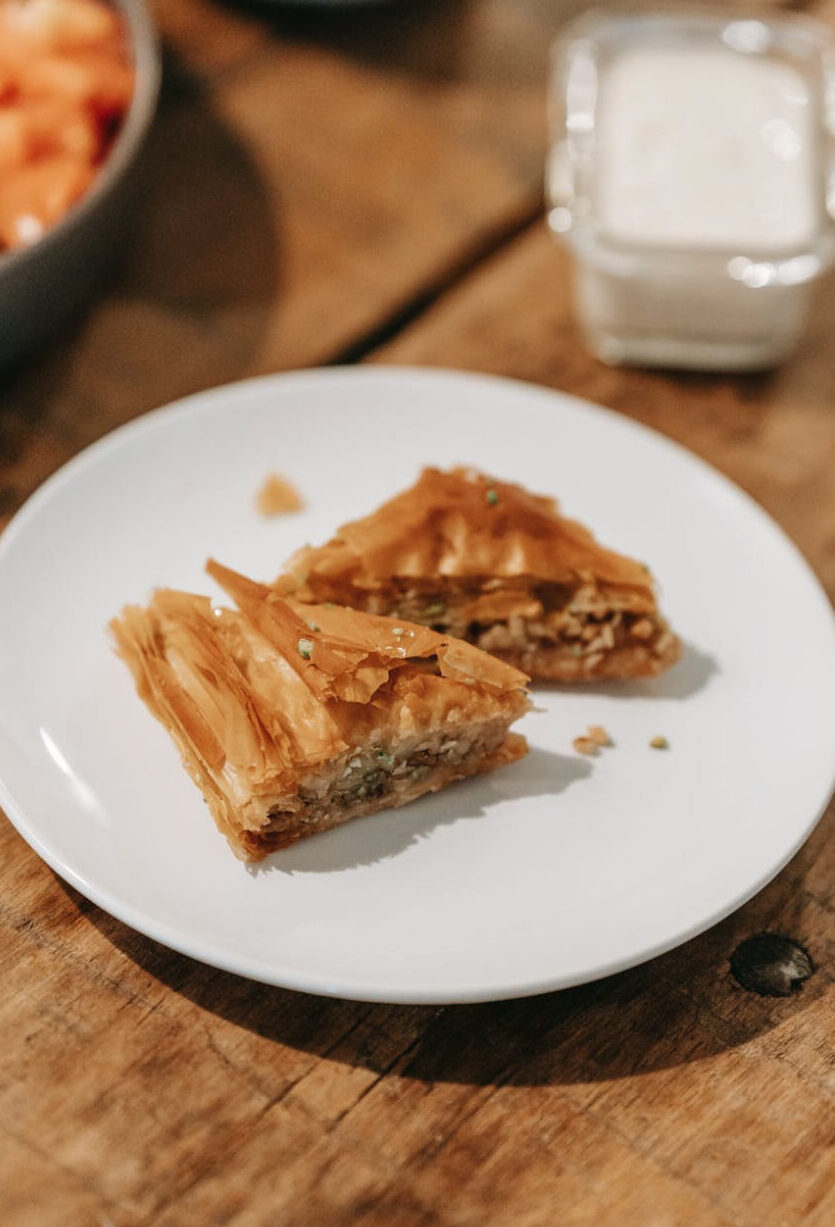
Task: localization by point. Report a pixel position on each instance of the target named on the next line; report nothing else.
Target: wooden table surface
(366, 186)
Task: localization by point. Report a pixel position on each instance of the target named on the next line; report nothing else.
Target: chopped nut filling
(361, 778)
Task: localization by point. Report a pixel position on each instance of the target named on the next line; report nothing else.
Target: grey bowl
(42, 285)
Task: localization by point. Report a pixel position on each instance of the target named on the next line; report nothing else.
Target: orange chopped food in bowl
(66, 82)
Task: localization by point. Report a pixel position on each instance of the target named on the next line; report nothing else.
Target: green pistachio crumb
(433, 611)
(492, 497)
(312, 625)
(305, 648)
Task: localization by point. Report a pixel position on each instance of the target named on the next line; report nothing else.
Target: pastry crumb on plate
(277, 496)
(594, 738)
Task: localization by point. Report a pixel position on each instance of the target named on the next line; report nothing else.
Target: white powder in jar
(705, 148)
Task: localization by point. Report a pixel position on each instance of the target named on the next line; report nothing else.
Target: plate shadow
(691, 674)
(378, 837)
(681, 1007)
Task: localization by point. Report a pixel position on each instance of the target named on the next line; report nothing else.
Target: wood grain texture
(140, 1089)
(159, 1091)
(296, 198)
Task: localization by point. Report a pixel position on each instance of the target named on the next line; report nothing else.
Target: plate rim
(404, 992)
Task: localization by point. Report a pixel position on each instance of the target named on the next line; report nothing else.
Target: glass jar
(691, 172)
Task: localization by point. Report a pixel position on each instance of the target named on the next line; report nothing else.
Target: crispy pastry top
(259, 697)
(462, 524)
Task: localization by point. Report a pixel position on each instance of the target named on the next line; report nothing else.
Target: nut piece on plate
(595, 738)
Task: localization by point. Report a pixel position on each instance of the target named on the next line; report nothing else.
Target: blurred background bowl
(43, 284)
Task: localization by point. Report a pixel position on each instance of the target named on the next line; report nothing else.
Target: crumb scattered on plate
(277, 496)
(659, 743)
(594, 738)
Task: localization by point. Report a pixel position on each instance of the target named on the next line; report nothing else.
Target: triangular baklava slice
(293, 718)
(488, 562)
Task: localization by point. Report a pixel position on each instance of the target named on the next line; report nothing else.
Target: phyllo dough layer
(292, 718)
(491, 563)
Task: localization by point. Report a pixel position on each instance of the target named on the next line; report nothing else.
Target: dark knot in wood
(771, 965)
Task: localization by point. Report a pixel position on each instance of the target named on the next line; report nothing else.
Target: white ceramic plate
(550, 872)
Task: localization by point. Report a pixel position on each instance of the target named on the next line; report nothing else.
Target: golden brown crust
(269, 704)
(491, 563)
(462, 524)
(352, 652)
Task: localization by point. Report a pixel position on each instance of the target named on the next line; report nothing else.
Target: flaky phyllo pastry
(292, 718)
(490, 563)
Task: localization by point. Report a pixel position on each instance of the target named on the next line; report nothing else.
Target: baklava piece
(293, 718)
(488, 562)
